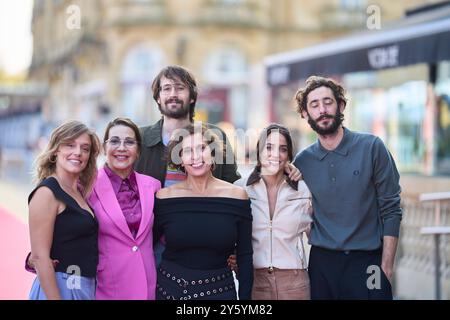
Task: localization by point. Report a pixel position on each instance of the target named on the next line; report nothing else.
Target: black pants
(347, 275)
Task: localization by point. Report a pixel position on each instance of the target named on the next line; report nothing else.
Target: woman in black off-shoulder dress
(202, 221)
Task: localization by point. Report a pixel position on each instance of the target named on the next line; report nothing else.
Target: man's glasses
(115, 142)
(167, 89)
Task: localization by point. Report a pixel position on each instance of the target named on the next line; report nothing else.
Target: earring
(52, 158)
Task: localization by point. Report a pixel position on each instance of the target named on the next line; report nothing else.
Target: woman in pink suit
(122, 200)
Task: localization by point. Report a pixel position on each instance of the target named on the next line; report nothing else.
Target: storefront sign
(384, 57)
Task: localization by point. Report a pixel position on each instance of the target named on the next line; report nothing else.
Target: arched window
(226, 90)
(226, 66)
(140, 66)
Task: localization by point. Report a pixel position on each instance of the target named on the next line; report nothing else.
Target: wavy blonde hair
(46, 162)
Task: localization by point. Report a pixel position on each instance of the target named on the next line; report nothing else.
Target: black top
(75, 234)
(201, 233)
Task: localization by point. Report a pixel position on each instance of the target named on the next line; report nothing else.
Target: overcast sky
(15, 35)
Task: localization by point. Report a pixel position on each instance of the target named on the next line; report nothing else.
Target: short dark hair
(212, 140)
(314, 82)
(127, 123)
(186, 77)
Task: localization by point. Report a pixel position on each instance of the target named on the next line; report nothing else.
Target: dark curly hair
(314, 82)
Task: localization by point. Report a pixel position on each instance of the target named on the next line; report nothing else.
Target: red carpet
(15, 282)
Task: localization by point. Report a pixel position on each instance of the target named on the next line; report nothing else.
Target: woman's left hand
(293, 173)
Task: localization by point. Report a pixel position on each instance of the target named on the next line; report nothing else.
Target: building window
(352, 4)
(227, 75)
(230, 2)
(226, 66)
(140, 66)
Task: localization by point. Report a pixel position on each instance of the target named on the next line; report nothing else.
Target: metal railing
(428, 214)
(437, 230)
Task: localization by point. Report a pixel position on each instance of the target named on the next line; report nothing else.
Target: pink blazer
(126, 268)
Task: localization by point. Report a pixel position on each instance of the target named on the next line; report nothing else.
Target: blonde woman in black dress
(63, 228)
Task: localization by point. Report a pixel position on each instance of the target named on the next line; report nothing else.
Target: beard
(336, 122)
(180, 112)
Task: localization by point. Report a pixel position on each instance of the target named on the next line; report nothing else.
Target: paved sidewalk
(13, 198)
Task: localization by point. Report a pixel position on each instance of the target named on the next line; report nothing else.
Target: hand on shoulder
(163, 193)
(230, 190)
(239, 193)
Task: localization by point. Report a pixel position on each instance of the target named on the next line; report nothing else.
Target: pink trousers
(281, 284)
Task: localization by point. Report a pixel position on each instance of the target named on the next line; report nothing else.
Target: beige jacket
(278, 243)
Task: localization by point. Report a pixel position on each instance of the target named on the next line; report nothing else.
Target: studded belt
(191, 288)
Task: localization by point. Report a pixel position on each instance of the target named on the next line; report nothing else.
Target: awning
(424, 38)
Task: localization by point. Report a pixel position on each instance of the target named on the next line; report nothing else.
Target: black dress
(75, 234)
(200, 234)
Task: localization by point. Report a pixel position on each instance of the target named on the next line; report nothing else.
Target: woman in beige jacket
(281, 212)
